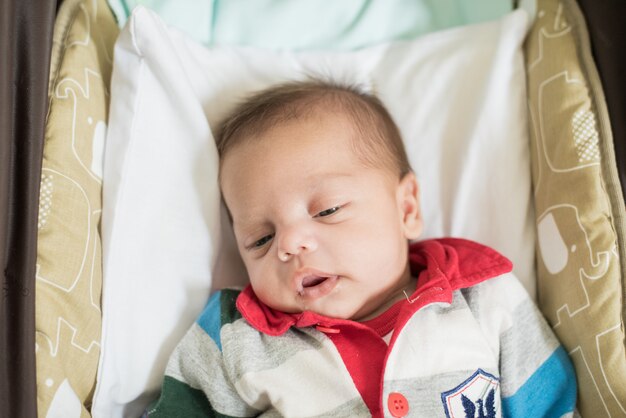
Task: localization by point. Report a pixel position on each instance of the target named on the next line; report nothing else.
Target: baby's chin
(335, 312)
(327, 310)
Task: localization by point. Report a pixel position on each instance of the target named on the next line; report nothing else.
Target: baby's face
(316, 228)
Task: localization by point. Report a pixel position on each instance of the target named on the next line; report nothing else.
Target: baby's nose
(295, 241)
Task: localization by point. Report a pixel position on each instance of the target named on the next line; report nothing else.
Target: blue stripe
(210, 319)
(549, 392)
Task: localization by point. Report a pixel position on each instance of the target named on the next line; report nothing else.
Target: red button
(398, 405)
(327, 330)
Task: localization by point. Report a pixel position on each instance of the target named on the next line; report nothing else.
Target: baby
(343, 316)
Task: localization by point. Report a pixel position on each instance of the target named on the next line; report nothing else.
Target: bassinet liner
(69, 265)
(579, 208)
(25, 41)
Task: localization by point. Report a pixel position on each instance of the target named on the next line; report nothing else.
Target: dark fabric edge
(607, 33)
(611, 166)
(25, 43)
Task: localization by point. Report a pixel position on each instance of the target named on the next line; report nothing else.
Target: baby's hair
(377, 140)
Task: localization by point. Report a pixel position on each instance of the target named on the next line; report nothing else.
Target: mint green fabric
(313, 24)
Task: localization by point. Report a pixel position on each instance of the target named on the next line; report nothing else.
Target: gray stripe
(531, 331)
(247, 350)
(197, 361)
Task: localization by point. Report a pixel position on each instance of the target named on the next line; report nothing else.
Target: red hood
(443, 265)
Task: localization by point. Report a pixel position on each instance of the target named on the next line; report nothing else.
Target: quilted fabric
(579, 206)
(69, 266)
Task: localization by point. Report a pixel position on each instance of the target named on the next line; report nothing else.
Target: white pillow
(458, 97)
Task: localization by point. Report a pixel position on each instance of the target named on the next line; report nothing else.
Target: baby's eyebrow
(331, 175)
(242, 225)
(318, 180)
(249, 225)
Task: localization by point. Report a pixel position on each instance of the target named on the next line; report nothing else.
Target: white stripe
(504, 291)
(497, 299)
(300, 386)
(433, 342)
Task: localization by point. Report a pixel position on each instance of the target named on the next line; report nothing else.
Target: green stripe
(179, 400)
(228, 301)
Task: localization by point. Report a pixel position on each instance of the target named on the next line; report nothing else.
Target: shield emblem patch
(477, 397)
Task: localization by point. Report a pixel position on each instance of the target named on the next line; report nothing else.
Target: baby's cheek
(266, 294)
(259, 286)
(378, 235)
(382, 247)
(354, 243)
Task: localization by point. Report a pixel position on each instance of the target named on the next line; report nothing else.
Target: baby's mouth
(312, 281)
(313, 284)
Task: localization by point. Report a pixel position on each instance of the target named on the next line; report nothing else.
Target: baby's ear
(409, 205)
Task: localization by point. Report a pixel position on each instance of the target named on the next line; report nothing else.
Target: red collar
(440, 265)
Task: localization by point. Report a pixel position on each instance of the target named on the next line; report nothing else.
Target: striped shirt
(469, 342)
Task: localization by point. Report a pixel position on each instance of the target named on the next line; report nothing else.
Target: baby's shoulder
(504, 292)
(221, 309)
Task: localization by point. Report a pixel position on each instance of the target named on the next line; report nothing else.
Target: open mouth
(312, 281)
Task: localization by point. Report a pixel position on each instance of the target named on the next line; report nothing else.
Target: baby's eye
(262, 241)
(328, 212)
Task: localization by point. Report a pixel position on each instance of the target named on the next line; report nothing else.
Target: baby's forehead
(294, 142)
(374, 137)
(292, 131)
(314, 114)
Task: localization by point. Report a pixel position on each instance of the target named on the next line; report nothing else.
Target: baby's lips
(319, 288)
(311, 281)
(307, 278)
